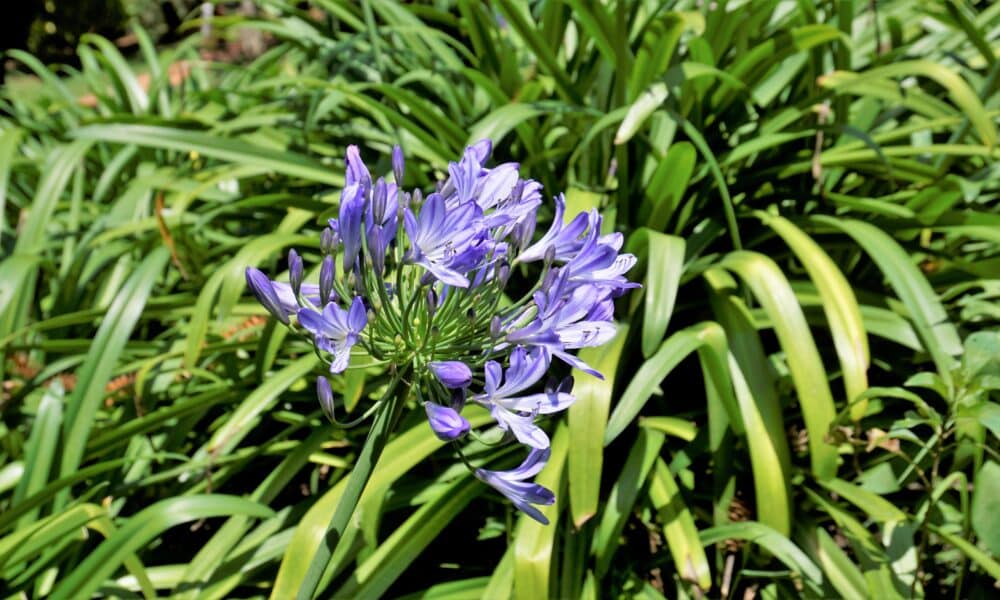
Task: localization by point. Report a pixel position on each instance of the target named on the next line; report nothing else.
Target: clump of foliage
(800, 401)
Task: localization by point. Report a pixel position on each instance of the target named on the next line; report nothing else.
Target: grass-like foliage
(802, 397)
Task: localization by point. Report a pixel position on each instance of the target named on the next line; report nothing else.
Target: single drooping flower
(420, 283)
(522, 493)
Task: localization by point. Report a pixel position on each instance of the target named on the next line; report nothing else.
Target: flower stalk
(385, 419)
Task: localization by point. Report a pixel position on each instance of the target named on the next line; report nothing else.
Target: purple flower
(535, 333)
(579, 318)
(335, 330)
(515, 412)
(523, 494)
(309, 291)
(598, 263)
(497, 185)
(447, 424)
(352, 208)
(482, 150)
(260, 286)
(447, 242)
(463, 180)
(518, 207)
(453, 374)
(564, 238)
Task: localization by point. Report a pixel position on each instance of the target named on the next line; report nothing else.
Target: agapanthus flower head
(421, 283)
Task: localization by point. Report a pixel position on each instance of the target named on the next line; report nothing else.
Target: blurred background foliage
(51, 29)
(802, 401)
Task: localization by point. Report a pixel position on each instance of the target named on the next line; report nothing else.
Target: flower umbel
(421, 285)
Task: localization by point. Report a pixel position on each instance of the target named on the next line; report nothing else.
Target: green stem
(385, 419)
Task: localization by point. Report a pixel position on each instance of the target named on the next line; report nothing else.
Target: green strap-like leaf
(929, 317)
(41, 451)
(775, 295)
(587, 419)
(623, 495)
(839, 304)
(94, 373)
(767, 538)
(534, 542)
(679, 528)
(400, 455)
(236, 151)
(141, 529)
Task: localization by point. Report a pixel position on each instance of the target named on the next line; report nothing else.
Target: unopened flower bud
(326, 271)
(353, 283)
(458, 398)
(325, 395)
(295, 271)
(327, 241)
(503, 274)
(398, 164)
(262, 289)
(445, 421)
(451, 373)
(379, 196)
(432, 302)
(550, 255)
(402, 204)
(495, 325)
(374, 244)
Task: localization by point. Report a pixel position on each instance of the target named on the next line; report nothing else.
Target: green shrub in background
(803, 403)
(51, 30)
(57, 26)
